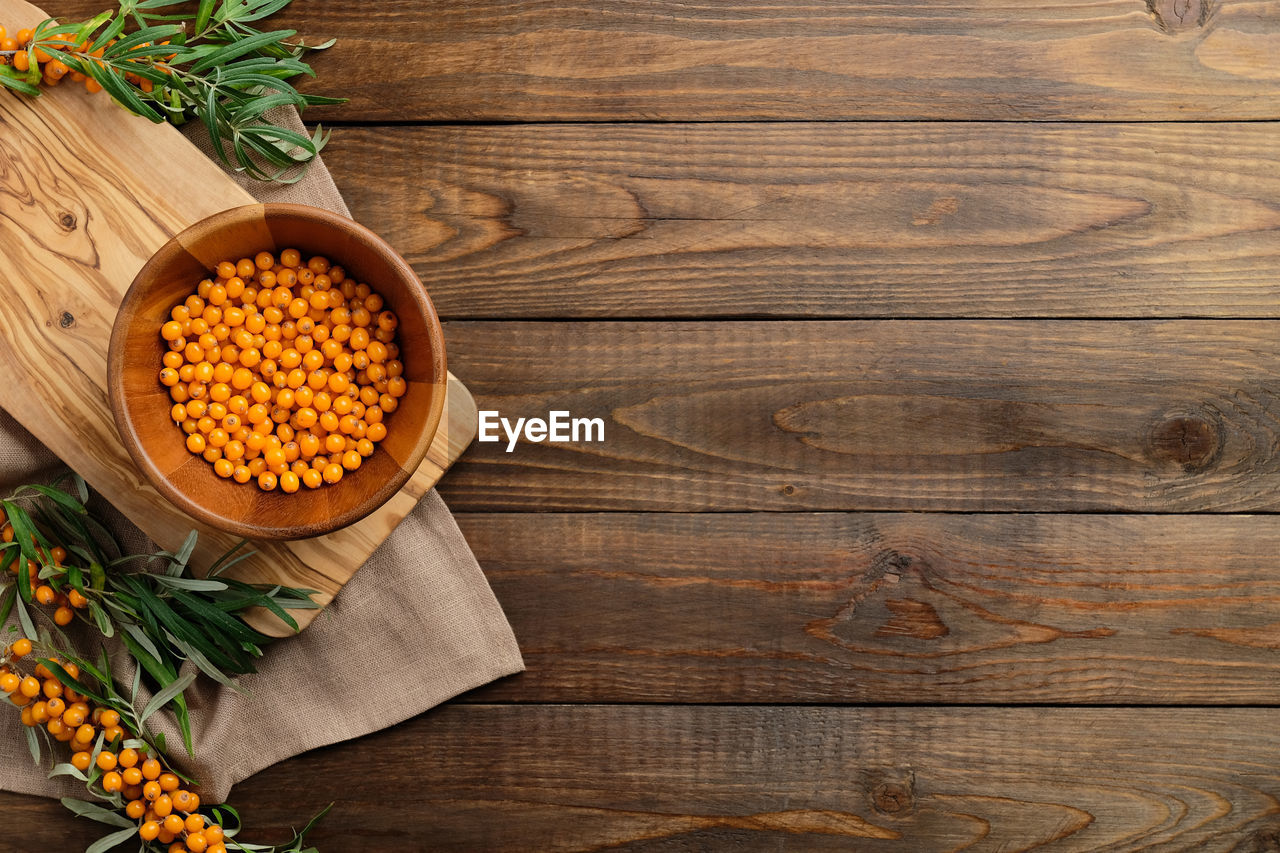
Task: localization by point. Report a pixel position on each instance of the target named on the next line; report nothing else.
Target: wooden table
(938, 351)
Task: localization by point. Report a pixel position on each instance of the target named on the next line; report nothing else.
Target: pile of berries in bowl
(277, 371)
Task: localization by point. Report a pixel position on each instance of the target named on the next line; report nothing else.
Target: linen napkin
(420, 601)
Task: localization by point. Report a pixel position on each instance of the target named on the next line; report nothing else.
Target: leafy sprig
(164, 619)
(213, 65)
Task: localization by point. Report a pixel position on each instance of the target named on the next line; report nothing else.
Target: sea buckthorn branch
(211, 65)
(55, 555)
(125, 771)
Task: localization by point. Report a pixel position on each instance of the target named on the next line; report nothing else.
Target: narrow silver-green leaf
(166, 695)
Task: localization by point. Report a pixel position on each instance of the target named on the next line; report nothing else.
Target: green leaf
(121, 92)
(112, 30)
(202, 663)
(165, 696)
(68, 770)
(24, 619)
(188, 546)
(10, 80)
(32, 743)
(101, 619)
(6, 602)
(82, 488)
(92, 811)
(202, 15)
(24, 532)
(193, 584)
(115, 839)
(239, 48)
(61, 498)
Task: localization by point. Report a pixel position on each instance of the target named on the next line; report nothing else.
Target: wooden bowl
(141, 405)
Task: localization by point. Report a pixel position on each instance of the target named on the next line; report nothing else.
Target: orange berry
(149, 831)
(63, 616)
(135, 809)
(81, 760)
(151, 769)
(151, 790)
(30, 688)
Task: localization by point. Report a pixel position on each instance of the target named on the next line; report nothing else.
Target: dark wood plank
(910, 608)
(827, 220)
(952, 59)
(1172, 416)
(899, 780)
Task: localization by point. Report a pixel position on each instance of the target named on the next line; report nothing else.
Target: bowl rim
(118, 399)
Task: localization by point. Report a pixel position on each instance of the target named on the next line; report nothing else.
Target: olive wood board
(87, 193)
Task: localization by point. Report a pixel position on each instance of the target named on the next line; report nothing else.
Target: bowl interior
(141, 405)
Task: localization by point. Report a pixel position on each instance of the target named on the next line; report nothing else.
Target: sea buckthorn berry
(55, 708)
(45, 595)
(151, 790)
(149, 831)
(112, 781)
(132, 776)
(135, 808)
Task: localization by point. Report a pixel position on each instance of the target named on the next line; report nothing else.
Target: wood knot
(1173, 16)
(891, 798)
(1189, 441)
(788, 490)
(67, 221)
(67, 320)
(1263, 841)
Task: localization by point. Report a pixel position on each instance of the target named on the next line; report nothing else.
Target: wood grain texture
(898, 780)
(483, 60)
(826, 220)
(1169, 416)
(83, 210)
(907, 608)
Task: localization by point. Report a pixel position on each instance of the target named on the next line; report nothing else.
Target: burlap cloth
(420, 605)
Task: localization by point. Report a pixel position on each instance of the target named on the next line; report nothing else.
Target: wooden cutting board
(87, 193)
